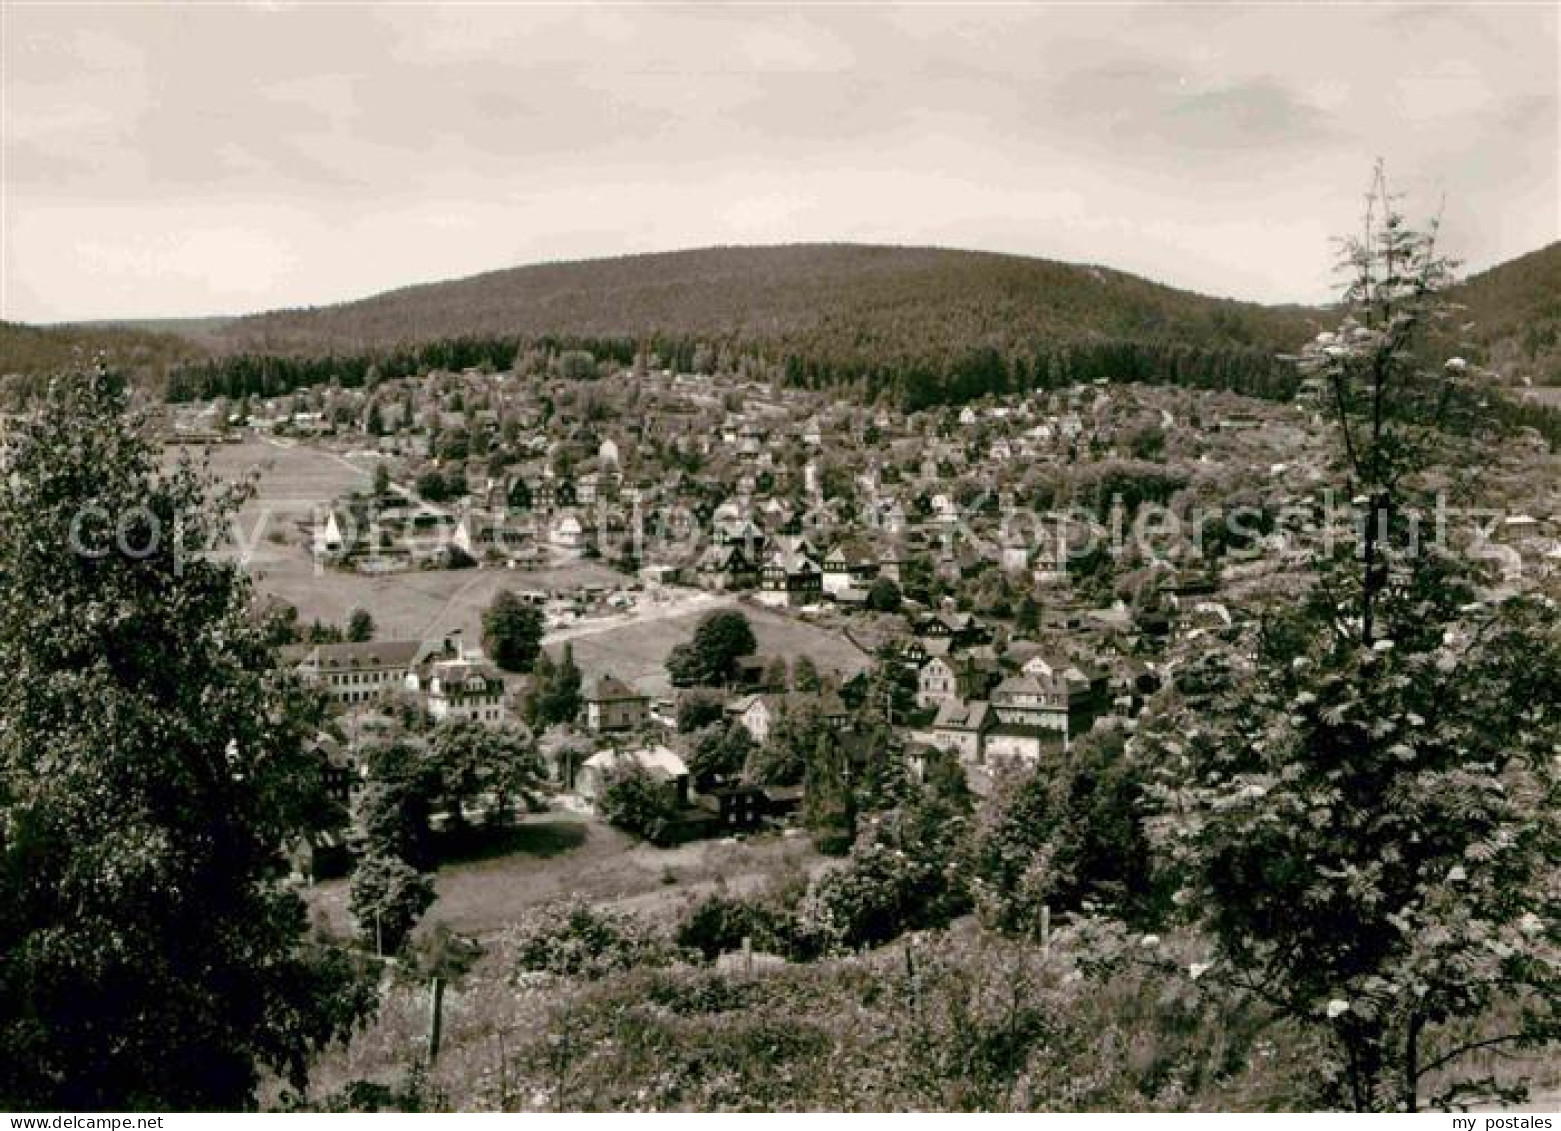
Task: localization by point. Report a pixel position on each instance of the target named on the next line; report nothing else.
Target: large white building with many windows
(356, 674)
(453, 683)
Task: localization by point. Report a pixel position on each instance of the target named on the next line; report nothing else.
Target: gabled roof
(456, 672)
(853, 552)
(656, 760)
(369, 654)
(791, 561)
(728, 556)
(827, 703)
(973, 715)
(608, 688)
(1020, 685)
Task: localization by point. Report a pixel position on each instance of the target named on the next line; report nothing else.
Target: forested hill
(914, 325)
(1515, 309)
(37, 351)
(834, 301)
(917, 325)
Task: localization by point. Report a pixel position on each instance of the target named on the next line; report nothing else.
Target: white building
(465, 689)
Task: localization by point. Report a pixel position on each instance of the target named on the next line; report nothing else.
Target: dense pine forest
(911, 326)
(32, 352)
(1514, 312)
(908, 327)
(907, 383)
(840, 302)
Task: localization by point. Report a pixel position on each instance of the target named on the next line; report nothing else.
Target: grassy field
(564, 855)
(416, 604)
(296, 481)
(637, 653)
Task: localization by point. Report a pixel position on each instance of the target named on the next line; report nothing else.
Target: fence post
(435, 1017)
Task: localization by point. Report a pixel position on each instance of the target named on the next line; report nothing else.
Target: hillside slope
(835, 301)
(829, 312)
(38, 350)
(1516, 311)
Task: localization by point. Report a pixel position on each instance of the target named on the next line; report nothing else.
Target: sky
(163, 161)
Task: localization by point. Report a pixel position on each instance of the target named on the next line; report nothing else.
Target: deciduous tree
(1364, 818)
(360, 626)
(151, 767)
(512, 632)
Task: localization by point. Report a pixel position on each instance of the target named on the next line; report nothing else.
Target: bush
(512, 632)
(711, 656)
(719, 754)
(884, 596)
(638, 802)
(957, 1021)
(387, 898)
(697, 710)
(833, 840)
(718, 925)
(576, 940)
(431, 486)
(904, 874)
(1063, 836)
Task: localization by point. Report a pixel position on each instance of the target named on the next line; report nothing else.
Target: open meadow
(296, 482)
(636, 650)
(563, 855)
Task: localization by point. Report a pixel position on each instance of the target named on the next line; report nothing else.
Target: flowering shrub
(904, 874)
(580, 941)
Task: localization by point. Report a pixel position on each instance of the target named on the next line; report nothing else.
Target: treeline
(42, 350)
(914, 384)
(273, 375)
(32, 356)
(907, 383)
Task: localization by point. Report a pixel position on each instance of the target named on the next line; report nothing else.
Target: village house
(791, 578)
(1075, 674)
(724, 567)
(463, 689)
(936, 682)
(598, 771)
(330, 536)
(354, 674)
(962, 728)
(759, 714)
(612, 705)
(849, 565)
(1049, 702)
(960, 630)
(568, 534)
(731, 529)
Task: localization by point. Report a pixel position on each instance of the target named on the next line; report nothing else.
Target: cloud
(1146, 104)
(242, 157)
